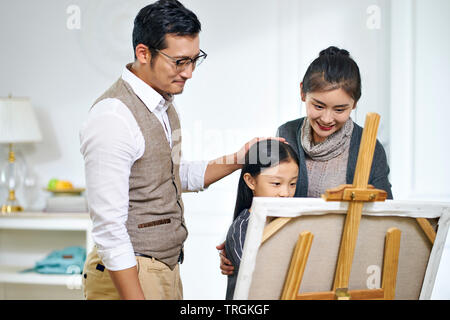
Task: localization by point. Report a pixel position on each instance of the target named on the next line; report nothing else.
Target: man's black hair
(163, 17)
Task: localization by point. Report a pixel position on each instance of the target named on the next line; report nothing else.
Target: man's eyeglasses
(183, 63)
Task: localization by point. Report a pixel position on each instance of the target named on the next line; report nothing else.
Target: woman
(327, 140)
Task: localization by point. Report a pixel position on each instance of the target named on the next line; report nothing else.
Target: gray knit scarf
(333, 146)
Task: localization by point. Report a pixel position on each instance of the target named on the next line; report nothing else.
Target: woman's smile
(324, 128)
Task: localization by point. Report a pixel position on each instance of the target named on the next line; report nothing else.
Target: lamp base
(6, 208)
(11, 204)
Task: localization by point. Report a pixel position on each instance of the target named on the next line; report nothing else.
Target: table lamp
(18, 124)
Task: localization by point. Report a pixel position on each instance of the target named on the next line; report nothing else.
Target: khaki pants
(157, 281)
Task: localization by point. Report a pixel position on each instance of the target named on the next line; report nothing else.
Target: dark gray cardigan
(378, 173)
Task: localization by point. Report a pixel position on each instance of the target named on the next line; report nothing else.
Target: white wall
(420, 77)
(258, 52)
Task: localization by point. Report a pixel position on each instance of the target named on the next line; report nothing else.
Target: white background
(258, 51)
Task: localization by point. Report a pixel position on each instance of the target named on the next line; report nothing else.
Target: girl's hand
(225, 264)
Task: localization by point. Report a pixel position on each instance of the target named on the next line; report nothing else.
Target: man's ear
(249, 181)
(143, 54)
(302, 94)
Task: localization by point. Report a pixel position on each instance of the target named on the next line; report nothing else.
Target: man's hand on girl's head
(240, 155)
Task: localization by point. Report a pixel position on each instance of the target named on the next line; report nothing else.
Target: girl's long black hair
(263, 154)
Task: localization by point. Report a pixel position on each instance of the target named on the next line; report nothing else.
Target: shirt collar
(151, 98)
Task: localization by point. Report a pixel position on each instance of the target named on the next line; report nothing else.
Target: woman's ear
(249, 181)
(302, 95)
(143, 55)
(354, 106)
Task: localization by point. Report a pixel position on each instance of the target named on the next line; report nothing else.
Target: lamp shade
(18, 122)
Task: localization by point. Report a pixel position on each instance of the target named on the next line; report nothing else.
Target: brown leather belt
(142, 255)
(180, 257)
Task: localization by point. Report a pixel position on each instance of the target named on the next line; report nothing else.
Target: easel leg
(390, 265)
(297, 266)
(427, 228)
(348, 244)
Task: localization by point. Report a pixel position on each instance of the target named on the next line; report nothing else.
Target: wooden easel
(356, 194)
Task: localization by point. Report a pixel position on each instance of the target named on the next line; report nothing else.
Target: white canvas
(391, 210)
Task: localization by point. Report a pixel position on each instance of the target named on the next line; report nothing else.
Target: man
(131, 145)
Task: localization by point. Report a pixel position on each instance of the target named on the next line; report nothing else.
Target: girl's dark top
(378, 173)
(234, 245)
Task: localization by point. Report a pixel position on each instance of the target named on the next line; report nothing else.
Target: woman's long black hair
(263, 154)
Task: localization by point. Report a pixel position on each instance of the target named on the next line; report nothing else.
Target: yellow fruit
(63, 185)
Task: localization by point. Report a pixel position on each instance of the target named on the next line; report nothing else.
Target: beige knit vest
(155, 212)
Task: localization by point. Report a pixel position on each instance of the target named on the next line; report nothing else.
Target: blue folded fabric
(69, 260)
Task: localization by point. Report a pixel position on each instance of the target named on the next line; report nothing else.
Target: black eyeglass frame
(186, 61)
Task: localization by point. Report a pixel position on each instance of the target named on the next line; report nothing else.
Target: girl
(270, 170)
(327, 140)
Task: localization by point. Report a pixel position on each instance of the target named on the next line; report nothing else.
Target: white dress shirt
(111, 141)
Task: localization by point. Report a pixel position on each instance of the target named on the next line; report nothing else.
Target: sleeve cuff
(119, 258)
(192, 174)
